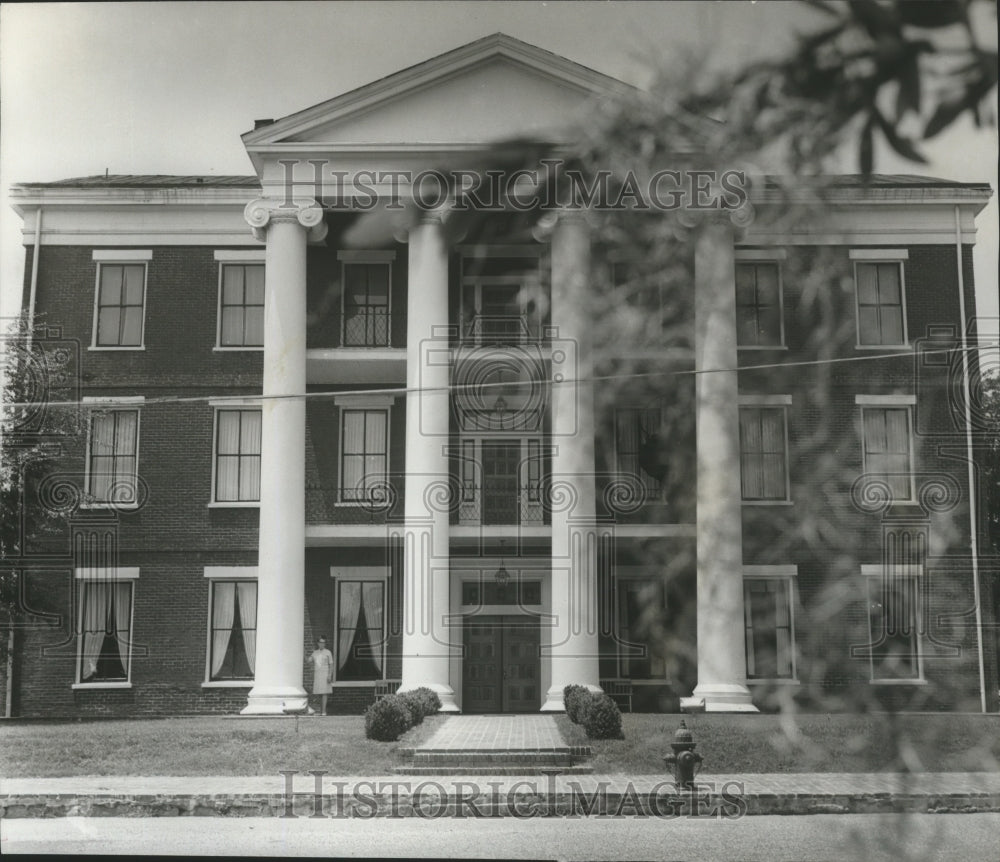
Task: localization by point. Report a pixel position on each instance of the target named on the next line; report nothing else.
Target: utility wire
(110, 401)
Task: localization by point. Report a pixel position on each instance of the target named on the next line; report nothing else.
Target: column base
(276, 700)
(719, 697)
(554, 698)
(445, 692)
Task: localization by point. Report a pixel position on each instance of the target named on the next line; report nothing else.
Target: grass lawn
(200, 746)
(746, 743)
(803, 743)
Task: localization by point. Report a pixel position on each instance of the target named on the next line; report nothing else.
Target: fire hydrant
(684, 759)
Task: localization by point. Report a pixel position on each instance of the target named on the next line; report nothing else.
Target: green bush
(388, 719)
(601, 717)
(574, 697)
(427, 699)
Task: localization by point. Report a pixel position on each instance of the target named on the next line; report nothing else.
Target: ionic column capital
(261, 213)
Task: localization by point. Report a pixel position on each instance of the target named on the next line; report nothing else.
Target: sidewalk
(721, 796)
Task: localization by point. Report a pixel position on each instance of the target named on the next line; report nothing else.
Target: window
(893, 616)
(640, 618)
(763, 454)
(881, 310)
(233, 639)
(104, 644)
(640, 448)
(241, 305)
(121, 291)
(360, 629)
(237, 456)
(112, 454)
(886, 432)
(366, 304)
(758, 305)
(767, 610)
(364, 452)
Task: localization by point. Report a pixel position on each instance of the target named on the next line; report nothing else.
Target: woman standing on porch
(322, 662)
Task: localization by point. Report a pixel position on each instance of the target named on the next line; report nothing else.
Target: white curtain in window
(750, 463)
(222, 622)
(374, 447)
(95, 614)
(227, 475)
(248, 619)
(132, 296)
(102, 445)
(350, 608)
(373, 617)
(353, 448)
(250, 445)
(124, 463)
(123, 614)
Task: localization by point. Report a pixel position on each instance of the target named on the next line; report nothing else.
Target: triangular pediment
(493, 89)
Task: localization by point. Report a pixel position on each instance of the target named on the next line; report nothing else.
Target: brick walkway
(495, 733)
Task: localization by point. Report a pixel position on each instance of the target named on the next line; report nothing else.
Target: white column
(426, 637)
(573, 649)
(721, 646)
(281, 563)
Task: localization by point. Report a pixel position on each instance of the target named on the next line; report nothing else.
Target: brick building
(476, 493)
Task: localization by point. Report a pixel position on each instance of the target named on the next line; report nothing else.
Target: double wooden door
(501, 668)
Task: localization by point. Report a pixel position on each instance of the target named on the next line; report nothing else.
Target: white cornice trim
(889, 254)
(112, 255)
(764, 400)
(772, 571)
(106, 573)
(250, 255)
(885, 400)
(232, 573)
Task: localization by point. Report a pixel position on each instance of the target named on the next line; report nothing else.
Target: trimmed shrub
(388, 719)
(574, 697)
(428, 700)
(414, 706)
(602, 718)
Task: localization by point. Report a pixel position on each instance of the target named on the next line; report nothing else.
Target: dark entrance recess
(502, 667)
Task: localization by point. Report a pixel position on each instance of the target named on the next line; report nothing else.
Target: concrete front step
(495, 769)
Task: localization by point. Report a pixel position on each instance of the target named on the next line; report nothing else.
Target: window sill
(360, 683)
(96, 686)
(762, 347)
(779, 681)
(883, 347)
(767, 503)
(246, 504)
(117, 347)
(898, 682)
(228, 683)
(117, 507)
(256, 348)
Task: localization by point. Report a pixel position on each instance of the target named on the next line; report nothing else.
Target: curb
(431, 800)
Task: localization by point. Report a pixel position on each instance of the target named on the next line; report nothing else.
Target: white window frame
(368, 403)
(218, 405)
(775, 257)
(364, 257)
(359, 573)
(788, 574)
(636, 574)
(875, 256)
(93, 405)
(771, 401)
(103, 574)
(912, 574)
(120, 257)
(225, 573)
(889, 402)
(238, 257)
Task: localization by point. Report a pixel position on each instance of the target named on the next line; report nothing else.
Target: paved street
(865, 838)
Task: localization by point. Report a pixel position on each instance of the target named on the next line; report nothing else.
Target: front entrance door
(501, 670)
